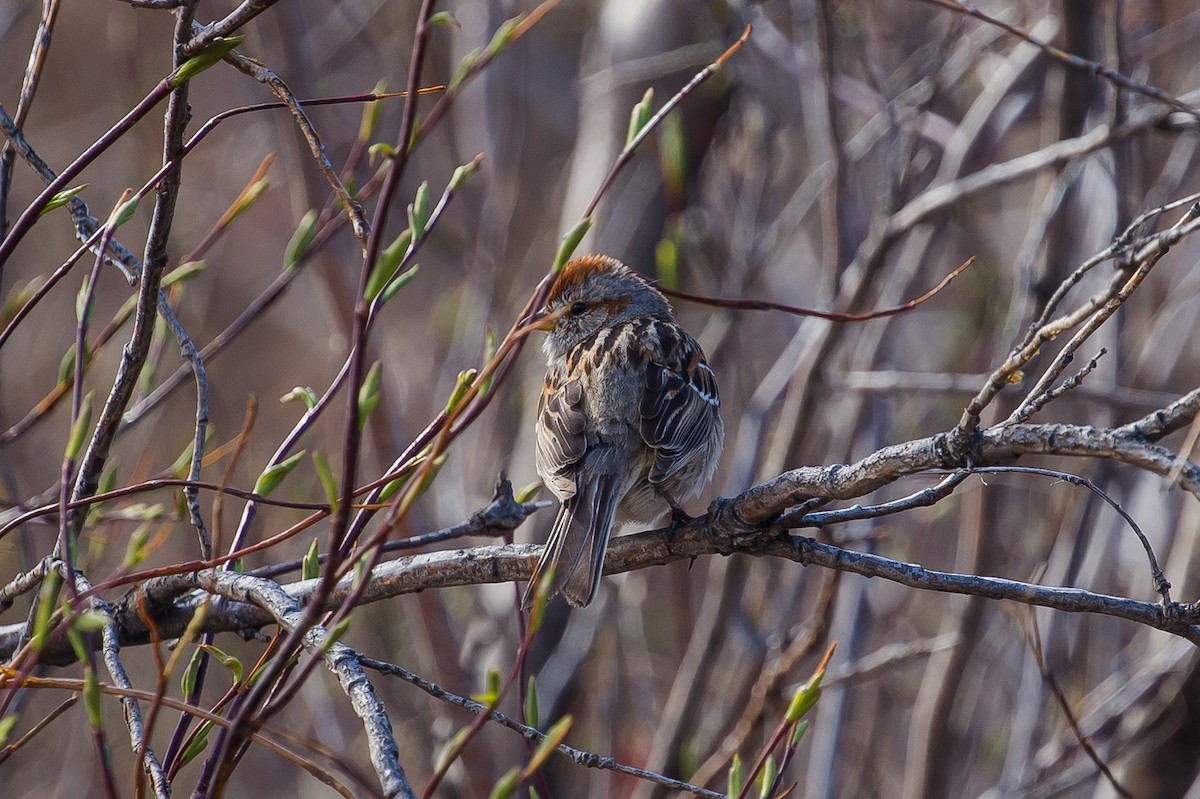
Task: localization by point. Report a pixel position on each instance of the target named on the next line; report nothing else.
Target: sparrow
(628, 423)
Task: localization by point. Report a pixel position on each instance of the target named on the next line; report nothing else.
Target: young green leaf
(270, 479)
(400, 281)
(196, 745)
(371, 114)
(462, 385)
(553, 738)
(80, 427)
(465, 68)
(325, 475)
(302, 238)
(463, 173)
(737, 778)
(507, 785)
(124, 211)
(368, 395)
(380, 151)
(7, 725)
(183, 273)
(419, 210)
(187, 680)
(442, 18)
(61, 199)
(302, 393)
(640, 115)
(135, 550)
(766, 778)
(91, 698)
(336, 634)
(503, 35)
(310, 567)
(531, 702)
(570, 242)
(528, 493)
(387, 263)
(217, 49)
(228, 661)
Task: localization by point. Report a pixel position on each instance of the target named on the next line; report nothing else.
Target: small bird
(629, 419)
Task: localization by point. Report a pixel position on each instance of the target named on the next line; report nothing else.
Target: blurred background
(780, 178)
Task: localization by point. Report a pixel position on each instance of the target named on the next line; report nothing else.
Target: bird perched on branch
(628, 422)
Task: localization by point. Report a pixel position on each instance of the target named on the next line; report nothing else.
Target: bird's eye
(579, 308)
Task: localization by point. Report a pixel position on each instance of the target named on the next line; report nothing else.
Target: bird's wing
(679, 404)
(561, 436)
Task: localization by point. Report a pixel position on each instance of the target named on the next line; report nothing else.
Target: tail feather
(578, 541)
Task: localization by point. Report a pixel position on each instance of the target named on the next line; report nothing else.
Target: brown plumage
(628, 422)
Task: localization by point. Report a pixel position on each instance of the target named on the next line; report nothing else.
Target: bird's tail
(575, 551)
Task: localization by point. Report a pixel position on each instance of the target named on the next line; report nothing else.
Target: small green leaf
(310, 567)
(135, 551)
(737, 778)
(570, 242)
(244, 202)
(766, 778)
(462, 385)
(79, 429)
(270, 479)
(507, 785)
(418, 212)
(183, 463)
(798, 733)
(400, 281)
(336, 634)
(18, 296)
(450, 750)
(83, 304)
(380, 151)
(368, 395)
(503, 35)
(442, 18)
(90, 621)
(528, 493)
(531, 702)
(187, 680)
(387, 263)
(489, 352)
(465, 68)
(228, 661)
(196, 745)
(77, 645)
(61, 199)
(371, 114)
(91, 698)
(213, 52)
(302, 393)
(553, 738)
(805, 697)
(298, 244)
(7, 725)
(183, 273)
(639, 116)
(463, 173)
(123, 212)
(491, 694)
(66, 367)
(325, 475)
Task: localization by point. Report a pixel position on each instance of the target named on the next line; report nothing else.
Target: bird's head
(592, 293)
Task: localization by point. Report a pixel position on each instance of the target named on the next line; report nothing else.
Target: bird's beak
(543, 320)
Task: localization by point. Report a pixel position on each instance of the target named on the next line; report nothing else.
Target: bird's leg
(679, 517)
